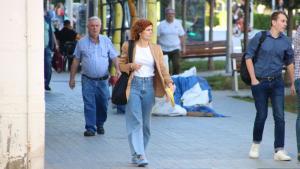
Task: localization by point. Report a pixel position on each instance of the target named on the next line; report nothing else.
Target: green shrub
(261, 21)
(296, 21)
(216, 20)
(201, 65)
(220, 82)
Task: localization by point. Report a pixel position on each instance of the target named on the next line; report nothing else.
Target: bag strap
(130, 50)
(261, 40)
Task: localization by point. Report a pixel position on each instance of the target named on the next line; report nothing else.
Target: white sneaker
(282, 156)
(254, 151)
(141, 161)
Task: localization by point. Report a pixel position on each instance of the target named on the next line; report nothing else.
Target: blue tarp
(185, 83)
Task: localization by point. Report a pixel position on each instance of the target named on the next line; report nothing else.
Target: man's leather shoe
(88, 133)
(100, 130)
(47, 88)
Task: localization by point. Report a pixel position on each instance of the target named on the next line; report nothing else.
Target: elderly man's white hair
(93, 18)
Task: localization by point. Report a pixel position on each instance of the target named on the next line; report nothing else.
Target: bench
(236, 60)
(204, 49)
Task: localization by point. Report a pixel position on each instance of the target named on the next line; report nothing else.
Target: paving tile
(176, 142)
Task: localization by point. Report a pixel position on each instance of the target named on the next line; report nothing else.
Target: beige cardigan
(161, 75)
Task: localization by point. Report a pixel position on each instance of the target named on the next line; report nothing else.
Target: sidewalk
(176, 143)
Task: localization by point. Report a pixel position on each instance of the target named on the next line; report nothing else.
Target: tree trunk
(290, 25)
(132, 11)
(246, 23)
(141, 9)
(183, 9)
(210, 63)
(152, 16)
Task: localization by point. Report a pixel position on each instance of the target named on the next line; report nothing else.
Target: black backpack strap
(130, 50)
(261, 40)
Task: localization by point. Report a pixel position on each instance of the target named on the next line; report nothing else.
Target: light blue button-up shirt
(273, 54)
(95, 57)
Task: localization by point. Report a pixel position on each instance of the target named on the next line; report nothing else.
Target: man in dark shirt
(67, 42)
(267, 82)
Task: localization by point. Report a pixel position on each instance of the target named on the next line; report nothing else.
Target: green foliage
(222, 17)
(216, 20)
(57, 1)
(220, 82)
(289, 102)
(264, 2)
(201, 65)
(268, 3)
(296, 21)
(261, 21)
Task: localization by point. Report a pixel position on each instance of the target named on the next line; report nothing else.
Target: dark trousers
(69, 60)
(297, 86)
(47, 66)
(174, 57)
(262, 92)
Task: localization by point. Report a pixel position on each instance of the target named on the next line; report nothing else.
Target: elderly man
(94, 52)
(171, 38)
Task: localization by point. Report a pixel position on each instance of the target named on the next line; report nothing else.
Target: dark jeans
(69, 60)
(262, 92)
(121, 109)
(47, 66)
(174, 56)
(297, 86)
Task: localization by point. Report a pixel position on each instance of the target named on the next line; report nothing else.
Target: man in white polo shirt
(171, 38)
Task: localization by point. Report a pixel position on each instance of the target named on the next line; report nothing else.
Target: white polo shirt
(168, 35)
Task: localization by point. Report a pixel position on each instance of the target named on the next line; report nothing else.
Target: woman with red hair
(148, 78)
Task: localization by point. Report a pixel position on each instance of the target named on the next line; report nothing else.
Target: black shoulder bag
(245, 76)
(119, 91)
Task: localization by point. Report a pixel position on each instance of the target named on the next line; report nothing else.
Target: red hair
(138, 27)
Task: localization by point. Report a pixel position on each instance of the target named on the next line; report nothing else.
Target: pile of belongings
(192, 97)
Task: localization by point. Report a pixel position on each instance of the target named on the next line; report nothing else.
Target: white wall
(22, 107)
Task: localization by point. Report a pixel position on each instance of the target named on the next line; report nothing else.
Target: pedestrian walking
(67, 38)
(171, 38)
(296, 43)
(93, 52)
(267, 82)
(50, 44)
(148, 78)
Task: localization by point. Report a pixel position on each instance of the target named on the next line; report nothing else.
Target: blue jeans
(121, 109)
(138, 114)
(47, 66)
(95, 98)
(262, 92)
(297, 86)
